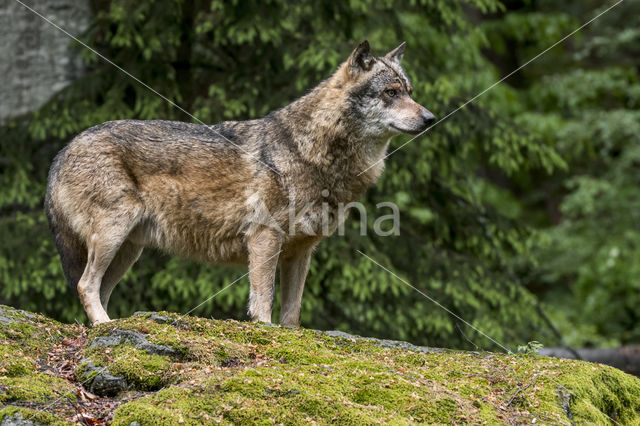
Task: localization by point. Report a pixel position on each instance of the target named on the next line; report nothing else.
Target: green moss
(603, 393)
(14, 362)
(249, 399)
(18, 331)
(178, 336)
(308, 374)
(240, 372)
(83, 373)
(33, 415)
(34, 334)
(35, 387)
(25, 341)
(143, 370)
(290, 394)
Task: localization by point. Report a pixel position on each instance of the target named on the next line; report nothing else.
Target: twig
(555, 331)
(522, 389)
(467, 339)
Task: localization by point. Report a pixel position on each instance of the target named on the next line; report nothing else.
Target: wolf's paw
(103, 320)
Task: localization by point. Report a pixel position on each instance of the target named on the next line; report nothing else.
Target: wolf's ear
(396, 54)
(361, 59)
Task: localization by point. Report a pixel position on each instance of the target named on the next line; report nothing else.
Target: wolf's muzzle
(427, 117)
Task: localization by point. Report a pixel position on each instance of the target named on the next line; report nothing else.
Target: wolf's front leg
(293, 272)
(264, 249)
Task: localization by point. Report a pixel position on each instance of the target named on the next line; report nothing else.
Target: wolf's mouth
(411, 132)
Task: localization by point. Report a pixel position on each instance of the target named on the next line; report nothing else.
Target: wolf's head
(380, 93)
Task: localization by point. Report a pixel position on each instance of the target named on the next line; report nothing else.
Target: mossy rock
(18, 416)
(122, 360)
(25, 341)
(188, 370)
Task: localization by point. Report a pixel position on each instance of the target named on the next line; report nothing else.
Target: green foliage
(585, 103)
(531, 348)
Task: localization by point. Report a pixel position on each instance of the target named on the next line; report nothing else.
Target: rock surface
(9, 316)
(17, 420)
(37, 59)
(165, 368)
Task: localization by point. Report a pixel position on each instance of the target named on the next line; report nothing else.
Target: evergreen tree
(583, 99)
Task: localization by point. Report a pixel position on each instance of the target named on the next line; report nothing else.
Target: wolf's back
(188, 179)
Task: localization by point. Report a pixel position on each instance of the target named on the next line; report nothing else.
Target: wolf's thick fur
(194, 189)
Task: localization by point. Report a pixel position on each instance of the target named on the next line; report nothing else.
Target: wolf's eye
(391, 93)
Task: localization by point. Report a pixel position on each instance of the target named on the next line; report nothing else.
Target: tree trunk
(626, 358)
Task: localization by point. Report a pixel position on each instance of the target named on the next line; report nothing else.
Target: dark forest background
(520, 213)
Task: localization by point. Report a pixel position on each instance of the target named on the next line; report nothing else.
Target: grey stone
(385, 343)
(99, 381)
(37, 59)
(160, 319)
(17, 420)
(338, 333)
(566, 398)
(10, 315)
(137, 340)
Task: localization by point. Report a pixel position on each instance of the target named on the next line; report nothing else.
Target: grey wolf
(188, 189)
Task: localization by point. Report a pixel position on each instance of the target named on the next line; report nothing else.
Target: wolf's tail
(72, 249)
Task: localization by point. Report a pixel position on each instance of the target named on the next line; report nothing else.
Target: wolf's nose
(428, 117)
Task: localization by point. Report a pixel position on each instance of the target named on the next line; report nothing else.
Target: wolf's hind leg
(127, 255)
(293, 272)
(106, 239)
(264, 249)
